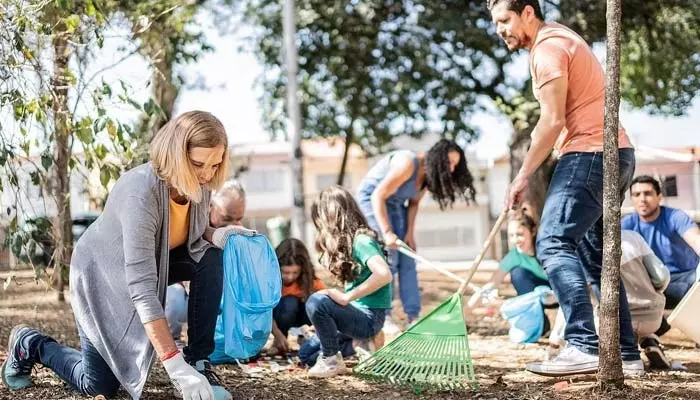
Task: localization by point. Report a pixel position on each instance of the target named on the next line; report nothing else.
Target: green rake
(434, 352)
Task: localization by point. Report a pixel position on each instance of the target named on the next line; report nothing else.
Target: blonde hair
(169, 151)
(338, 220)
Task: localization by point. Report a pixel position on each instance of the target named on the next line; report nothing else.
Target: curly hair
(292, 251)
(446, 187)
(338, 220)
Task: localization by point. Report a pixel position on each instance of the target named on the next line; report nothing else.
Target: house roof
(312, 148)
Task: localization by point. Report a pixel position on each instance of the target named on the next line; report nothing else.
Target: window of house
(446, 237)
(669, 186)
(269, 181)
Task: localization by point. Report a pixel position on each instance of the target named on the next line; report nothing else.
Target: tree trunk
(164, 93)
(63, 225)
(164, 90)
(298, 223)
(349, 137)
(610, 368)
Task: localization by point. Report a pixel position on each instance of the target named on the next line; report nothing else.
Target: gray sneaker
(17, 368)
(633, 369)
(570, 361)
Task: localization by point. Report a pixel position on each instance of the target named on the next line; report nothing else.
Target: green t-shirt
(364, 248)
(515, 259)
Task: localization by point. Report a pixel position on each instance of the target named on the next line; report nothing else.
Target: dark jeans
(330, 319)
(525, 281)
(86, 370)
(680, 283)
(570, 245)
(290, 312)
(206, 285)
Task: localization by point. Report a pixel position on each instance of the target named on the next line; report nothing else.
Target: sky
(230, 94)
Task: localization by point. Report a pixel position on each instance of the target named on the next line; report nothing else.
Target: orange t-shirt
(179, 228)
(560, 52)
(295, 290)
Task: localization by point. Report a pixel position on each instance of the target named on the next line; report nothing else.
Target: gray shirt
(119, 271)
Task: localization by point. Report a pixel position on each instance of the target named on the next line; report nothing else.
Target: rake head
(432, 353)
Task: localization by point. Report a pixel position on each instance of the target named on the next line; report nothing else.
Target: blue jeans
(401, 264)
(525, 281)
(86, 370)
(311, 348)
(290, 312)
(330, 319)
(570, 245)
(679, 285)
(176, 301)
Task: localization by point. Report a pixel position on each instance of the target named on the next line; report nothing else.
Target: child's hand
(339, 297)
(281, 344)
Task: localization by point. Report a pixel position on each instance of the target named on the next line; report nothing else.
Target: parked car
(40, 229)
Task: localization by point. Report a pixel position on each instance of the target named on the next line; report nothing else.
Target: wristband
(170, 355)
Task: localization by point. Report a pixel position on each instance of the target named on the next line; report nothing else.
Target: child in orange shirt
(298, 283)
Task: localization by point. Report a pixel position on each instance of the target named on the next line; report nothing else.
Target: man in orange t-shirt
(569, 84)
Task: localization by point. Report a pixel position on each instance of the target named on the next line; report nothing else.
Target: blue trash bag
(525, 314)
(252, 289)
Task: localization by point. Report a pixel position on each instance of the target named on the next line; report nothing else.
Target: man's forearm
(543, 138)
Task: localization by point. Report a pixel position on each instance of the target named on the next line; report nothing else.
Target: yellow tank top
(179, 224)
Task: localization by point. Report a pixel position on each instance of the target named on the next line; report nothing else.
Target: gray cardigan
(119, 272)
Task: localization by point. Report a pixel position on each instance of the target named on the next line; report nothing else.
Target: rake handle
(494, 231)
(403, 248)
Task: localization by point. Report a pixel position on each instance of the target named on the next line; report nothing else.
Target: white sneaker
(570, 361)
(633, 369)
(391, 328)
(327, 367)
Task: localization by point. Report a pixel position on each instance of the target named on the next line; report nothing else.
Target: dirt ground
(498, 363)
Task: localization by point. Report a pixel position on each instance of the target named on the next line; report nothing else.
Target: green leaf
(104, 176)
(17, 242)
(84, 130)
(90, 8)
(72, 22)
(46, 161)
(100, 151)
(35, 177)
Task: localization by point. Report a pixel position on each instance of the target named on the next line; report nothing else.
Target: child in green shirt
(525, 270)
(353, 255)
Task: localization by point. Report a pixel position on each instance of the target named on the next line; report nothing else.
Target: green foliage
(376, 69)
(660, 54)
(32, 118)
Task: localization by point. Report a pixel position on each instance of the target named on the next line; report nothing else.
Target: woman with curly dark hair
(389, 196)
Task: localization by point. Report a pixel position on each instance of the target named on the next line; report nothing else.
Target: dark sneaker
(654, 351)
(204, 368)
(17, 369)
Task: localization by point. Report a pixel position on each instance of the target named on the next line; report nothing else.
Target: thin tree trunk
(164, 90)
(164, 93)
(62, 228)
(610, 368)
(349, 137)
(298, 225)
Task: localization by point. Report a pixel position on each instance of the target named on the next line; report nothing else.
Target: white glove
(190, 383)
(220, 235)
